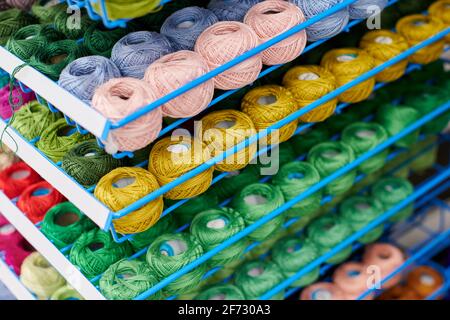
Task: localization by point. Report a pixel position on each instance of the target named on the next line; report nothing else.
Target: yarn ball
(121, 97)
(94, 251)
(225, 41)
(16, 178)
(37, 199)
(16, 253)
(384, 45)
(11, 21)
(353, 278)
(308, 84)
(348, 64)
(363, 9)
(327, 27)
(64, 223)
(143, 239)
(304, 141)
(84, 75)
(99, 41)
(66, 293)
(186, 212)
(322, 291)
(221, 131)
(170, 159)
(184, 26)
(221, 292)
(9, 106)
(73, 27)
(441, 10)
(7, 157)
(123, 187)
(8, 234)
(271, 18)
(267, 105)
(46, 14)
(175, 70)
(425, 280)
(137, 50)
(231, 10)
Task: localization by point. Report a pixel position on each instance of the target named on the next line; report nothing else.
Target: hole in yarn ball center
(331, 154)
(255, 199)
(41, 192)
(296, 176)
(255, 272)
(42, 263)
(7, 229)
(365, 133)
(347, 57)
(123, 182)
(66, 219)
(308, 76)
(267, 100)
(426, 279)
(173, 248)
(353, 273)
(293, 249)
(218, 223)
(86, 70)
(178, 148)
(19, 175)
(58, 58)
(220, 296)
(65, 131)
(321, 294)
(226, 124)
(272, 11)
(419, 23)
(96, 246)
(125, 276)
(186, 24)
(227, 30)
(384, 255)
(362, 206)
(384, 40)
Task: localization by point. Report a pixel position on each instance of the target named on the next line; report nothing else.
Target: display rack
(13, 283)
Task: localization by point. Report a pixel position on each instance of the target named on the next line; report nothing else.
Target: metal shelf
(13, 283)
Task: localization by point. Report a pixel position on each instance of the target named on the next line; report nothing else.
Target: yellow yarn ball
(417, 28)
(309, 83)
(170, 159)
(124, 186)
(441, 10)
(221, 130)
(348, 64)
(384, 45)
(266, 105)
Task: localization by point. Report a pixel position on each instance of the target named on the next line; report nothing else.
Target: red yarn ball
(16, 178)
(37, 199)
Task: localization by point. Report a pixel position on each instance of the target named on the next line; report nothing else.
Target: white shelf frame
(13, 283)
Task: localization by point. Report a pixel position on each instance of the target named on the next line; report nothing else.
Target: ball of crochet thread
(441, 10)
(73, 27)
(256, 201)
(24, 5)
(348, 64)
(322, 291)
(99, 40)
(175, 70)
(121, 97)
(87, 163)
(185, 213)
(11, 21)
(7, 157)
(32, 120)
(222, 130)
(359, 211)
(66, 293)
(46, 14)
(171, 252)
(255, 278)
(144, 239)
(231, 10)
(291, 255)
(396, 118)
(124, 186)
(170, 159)
(18, 99)
(417, 28)
(16, 253)
(8, 234)
(65, 223)
(307, 84)
(390, 192)
(37, 199)
(327, 27)
(425, 280)
(125, 280)
(363, 137)
(267, 105)
(271, 18)
(184, 26)
(293, 179)
(384, 45)
(84, 75)
(353, 279)
(221, 292)
(326, 233)
(363, 9)
(225, 41)
(136, 51)
(214, 226)
(16, 178)
(40, 277)
(94, 251)
(327, 157)
(120, 9)
(302, 143)
(58, 139)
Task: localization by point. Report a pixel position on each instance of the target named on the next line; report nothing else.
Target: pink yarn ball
(120, 97)
(225, 41)
(172, 72)
(352, 278)
(6, 110)
(271, 18)
(8, 234)
(15, 254)
(322, 291)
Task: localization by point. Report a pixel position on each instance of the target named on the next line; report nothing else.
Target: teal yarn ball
(169, 253)
(358, 212)
(256, 201)
(391, 191)
(224, 291)
(363, 137)
(125, 280)
(144, 239)
(295, 178)
(255, 278)
(234, 181)
(94, 251)
(292, 254)
(65, 223)
(212, 227)
(328, 157)
(326, 233)
(187, 211)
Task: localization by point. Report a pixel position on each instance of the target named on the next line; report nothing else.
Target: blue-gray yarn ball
(363, 9)
(231, 10)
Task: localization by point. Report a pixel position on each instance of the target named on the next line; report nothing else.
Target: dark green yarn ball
(100, 41)
(144, 239)
(11, 21)
(221, 292)
(186, 212)
(302, 143)
(46, 14)
(72, 25)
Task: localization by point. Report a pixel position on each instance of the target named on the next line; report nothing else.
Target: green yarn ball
(256, 201)
(64, 23)
(302, 143)
(277, 157)
(100, 41)
(46, 14)
(94, 251)
(221, 292)
(144, 239)
(65, 223)
(187, 211)
(11, 21)
(66, 293)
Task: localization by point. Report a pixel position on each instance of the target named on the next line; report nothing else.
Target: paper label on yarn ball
(308, 76)
(384, 40)
(347, 57)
